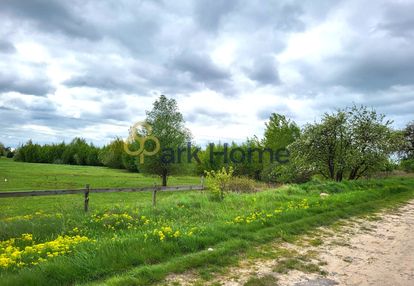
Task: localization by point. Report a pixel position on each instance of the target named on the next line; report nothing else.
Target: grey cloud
(200, 66)
(245, 15)
(110, 75)
(142, 35)
(209, 14)
(101, 81)
(140, 47)
(399, 21)
(36, 104)
(370, 60)
(264, 71)
(17, 112)
(184, 73)
(137, 35)
(288, 19)
(202, 69)
(135, 26)
(130, 76)
(39, 86)
(51, 16)
(63, 128)
(395, 101)
(54, 120)
(372, 66)
(376, 69)
(283, 109)
(202, 114)
(10, 123)
(14, 103)
(115, 109)
(280, 16)
(6, 47)
(405, 108)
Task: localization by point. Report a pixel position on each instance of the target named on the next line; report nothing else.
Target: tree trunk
(361, 173)
(353, 173)
(257, 175)
(164, 178)
(339, 176)
(331, 169)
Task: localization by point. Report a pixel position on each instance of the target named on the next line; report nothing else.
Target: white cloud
(91, 69)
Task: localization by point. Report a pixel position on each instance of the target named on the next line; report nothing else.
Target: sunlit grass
(15, 176)
(127, 242)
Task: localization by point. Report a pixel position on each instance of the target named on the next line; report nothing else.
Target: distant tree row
(348, 144)
(77, 152)
(407, 150)
(6, 151)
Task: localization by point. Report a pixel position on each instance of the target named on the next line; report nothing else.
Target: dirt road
(374, 252)
(378, 250)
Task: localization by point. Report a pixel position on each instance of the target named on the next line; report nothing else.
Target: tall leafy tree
(349, 143)
(168, 126)
(214, 162)
(325, 145)
(279, 133)
(372, 141)
(251, 166)
(408, 147)
(111, 154)
(2, 150)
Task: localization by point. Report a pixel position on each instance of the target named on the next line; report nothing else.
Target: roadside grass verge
(196, 233)
(228, 253)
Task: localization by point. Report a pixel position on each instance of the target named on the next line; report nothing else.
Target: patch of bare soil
(377, 250)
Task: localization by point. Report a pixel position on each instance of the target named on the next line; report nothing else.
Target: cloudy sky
(92, 68)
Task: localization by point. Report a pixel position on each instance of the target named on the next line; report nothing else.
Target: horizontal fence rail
(87, 190)
(100, 190)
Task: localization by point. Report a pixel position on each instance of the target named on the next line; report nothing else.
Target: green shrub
(397, 189)
(329, 187)
(241, 185)
(408, 165)
(217, 182)
(286, 173)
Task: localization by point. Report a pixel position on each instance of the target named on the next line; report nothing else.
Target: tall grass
(137, 255)
(15, 176)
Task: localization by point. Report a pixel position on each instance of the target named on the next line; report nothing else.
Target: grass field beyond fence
(16, 176)
(124, 241)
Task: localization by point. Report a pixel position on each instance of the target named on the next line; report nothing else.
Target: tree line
(348, 144)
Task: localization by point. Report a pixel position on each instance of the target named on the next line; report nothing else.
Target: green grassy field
(124, 241)
(32, 176)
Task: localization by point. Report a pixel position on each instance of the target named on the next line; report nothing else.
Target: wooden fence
(87, 190)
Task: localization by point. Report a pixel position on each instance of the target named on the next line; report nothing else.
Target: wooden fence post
(154, 196)
(87, 198)
(202, 182)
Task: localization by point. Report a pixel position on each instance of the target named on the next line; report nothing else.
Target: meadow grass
(127, 242)
(16, 176)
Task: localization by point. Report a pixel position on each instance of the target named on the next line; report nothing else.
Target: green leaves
(350, 143)
(168, 126)
(217, 181)
(280, 132)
